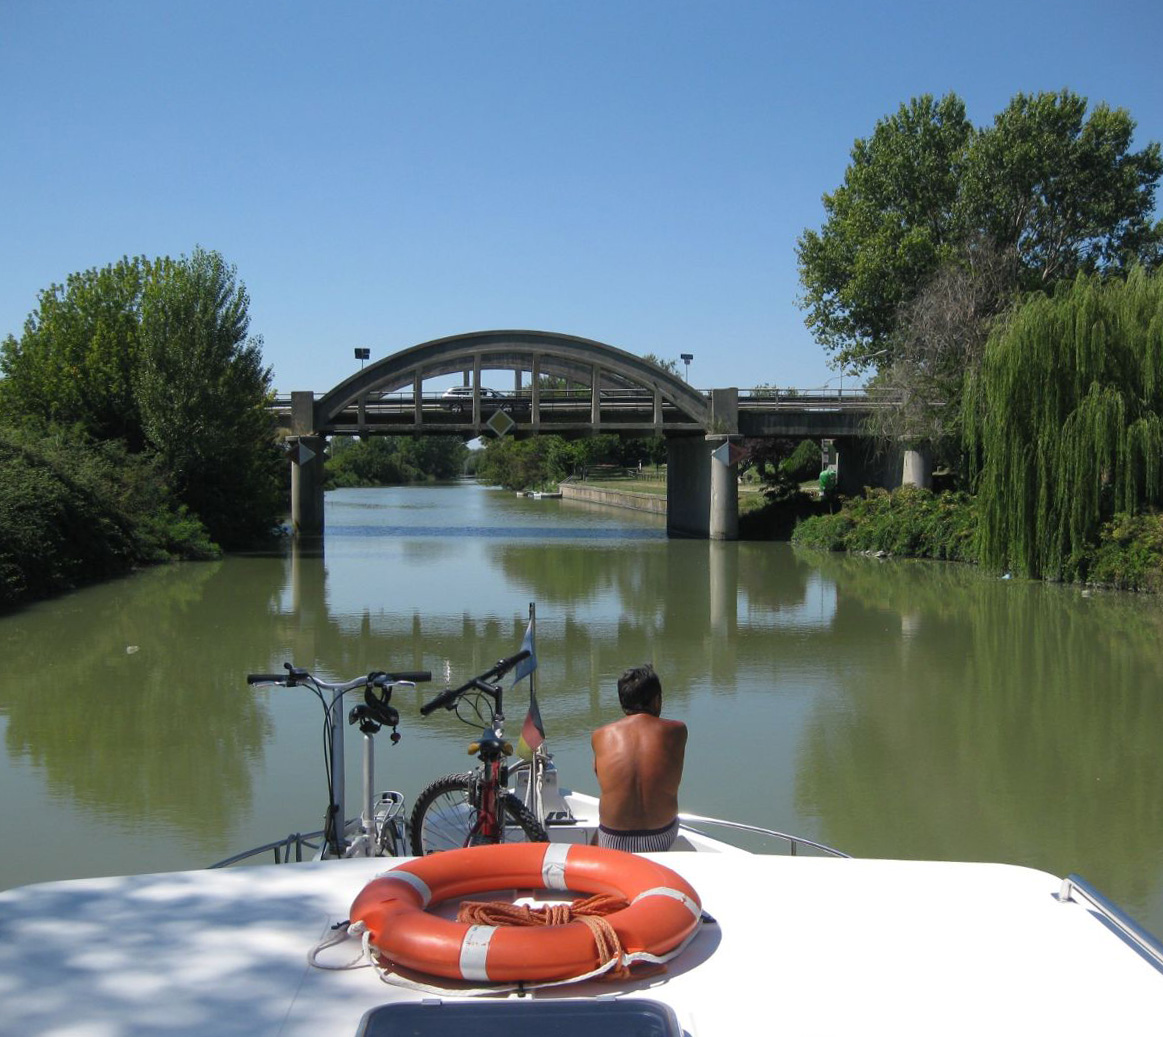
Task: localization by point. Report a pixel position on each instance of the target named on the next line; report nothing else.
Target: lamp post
(871, 356)
(686, 359)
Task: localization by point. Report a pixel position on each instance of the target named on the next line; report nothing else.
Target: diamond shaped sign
(500, 423)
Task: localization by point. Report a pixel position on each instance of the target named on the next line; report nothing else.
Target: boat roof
(808, 944)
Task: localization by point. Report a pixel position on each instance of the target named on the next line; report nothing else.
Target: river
(889, 708)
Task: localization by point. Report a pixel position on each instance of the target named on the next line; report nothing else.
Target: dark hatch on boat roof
(634, 1017)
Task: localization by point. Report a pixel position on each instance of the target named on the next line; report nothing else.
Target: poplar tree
(1063, 422)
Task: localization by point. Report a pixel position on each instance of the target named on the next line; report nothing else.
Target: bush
(73, 511)
(1129, 555)
(908, 522)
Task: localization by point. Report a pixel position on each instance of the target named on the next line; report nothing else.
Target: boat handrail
(794, 841)
(1146, 943)
(281, 848)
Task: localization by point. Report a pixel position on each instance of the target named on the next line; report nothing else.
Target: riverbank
(915, 523)
(643, 494)
(633, 500)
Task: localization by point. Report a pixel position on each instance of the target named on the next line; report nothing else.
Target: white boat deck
(800, 945)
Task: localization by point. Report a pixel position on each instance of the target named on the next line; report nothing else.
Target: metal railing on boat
(281, 848)
(793, 841)
(1076, 889)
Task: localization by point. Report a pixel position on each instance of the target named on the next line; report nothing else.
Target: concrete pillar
(723, 521)
(307, 457)
(916, 468)
(702, 493)
(688, 487)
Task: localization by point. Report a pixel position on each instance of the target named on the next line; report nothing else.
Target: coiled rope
(591, 911)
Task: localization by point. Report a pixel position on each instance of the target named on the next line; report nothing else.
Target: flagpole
(533, 627)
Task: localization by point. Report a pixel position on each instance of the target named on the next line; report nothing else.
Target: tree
(1051, 191)
(888, 228)
(940, 335)
(154, 354)
(1064, 421)
(389, 460)
(1060, 193)
(75, 361)
(203, 391)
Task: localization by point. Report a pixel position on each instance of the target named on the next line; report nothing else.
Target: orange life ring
(663, 911)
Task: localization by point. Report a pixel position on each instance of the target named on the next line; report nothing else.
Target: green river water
(891, 709)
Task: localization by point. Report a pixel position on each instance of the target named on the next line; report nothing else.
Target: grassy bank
(913, 523)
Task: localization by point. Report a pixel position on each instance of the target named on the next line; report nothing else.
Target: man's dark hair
(637, 688)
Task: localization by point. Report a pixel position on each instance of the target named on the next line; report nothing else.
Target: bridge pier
(307, 457)
(917, 468)
(702, 493)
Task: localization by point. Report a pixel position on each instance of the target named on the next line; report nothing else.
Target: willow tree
(1064, 421)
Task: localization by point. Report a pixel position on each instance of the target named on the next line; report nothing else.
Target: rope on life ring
(592, 911)
(655, 914)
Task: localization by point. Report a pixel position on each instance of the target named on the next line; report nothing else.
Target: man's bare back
(638, 761)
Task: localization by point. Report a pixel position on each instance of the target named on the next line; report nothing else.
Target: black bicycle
(477, 807)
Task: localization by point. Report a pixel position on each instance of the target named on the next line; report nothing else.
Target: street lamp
(686, 359)
(871, 356)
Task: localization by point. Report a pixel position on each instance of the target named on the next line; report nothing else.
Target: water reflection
(995, 720)
(890, 709)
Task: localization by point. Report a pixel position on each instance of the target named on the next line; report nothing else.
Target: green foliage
(518, 464)
(154, 355)
(391, 460)
(203, 390)
(76, 359)
(908, 522)
(804, 462)
(1063, 193)
(1063, 422)
(1129, 555)
(543, 461)
(1049, 190)
(888, 226)
(73, 510)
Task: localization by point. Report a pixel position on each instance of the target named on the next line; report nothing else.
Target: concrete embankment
(653, 503)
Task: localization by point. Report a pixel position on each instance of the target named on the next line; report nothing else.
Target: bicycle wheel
(445, 815)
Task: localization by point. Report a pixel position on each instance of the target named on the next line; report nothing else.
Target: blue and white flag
(526, 666)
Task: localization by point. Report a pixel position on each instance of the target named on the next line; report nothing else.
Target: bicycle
(476, 807)
(379, 831)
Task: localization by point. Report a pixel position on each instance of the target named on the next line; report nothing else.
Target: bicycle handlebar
(449, 696)
(294, 675)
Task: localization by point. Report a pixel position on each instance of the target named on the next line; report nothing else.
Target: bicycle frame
(373, 816)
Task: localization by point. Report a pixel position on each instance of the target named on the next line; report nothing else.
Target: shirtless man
(638, 761)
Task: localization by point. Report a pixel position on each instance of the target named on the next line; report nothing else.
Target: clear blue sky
(384, 173)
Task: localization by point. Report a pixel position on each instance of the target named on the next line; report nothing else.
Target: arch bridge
(595, 387)
(562, 384)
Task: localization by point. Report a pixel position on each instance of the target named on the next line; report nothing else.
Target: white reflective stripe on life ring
(674, 894)
(553, 866)
(473, 951)
(417, 883)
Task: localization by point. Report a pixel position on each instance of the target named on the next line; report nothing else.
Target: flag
(532, 731)
(526, 666)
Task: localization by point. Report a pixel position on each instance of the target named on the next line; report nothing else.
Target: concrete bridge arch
(536, 353)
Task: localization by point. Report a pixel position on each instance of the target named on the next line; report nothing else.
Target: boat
(798, 943)
(805, 940)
